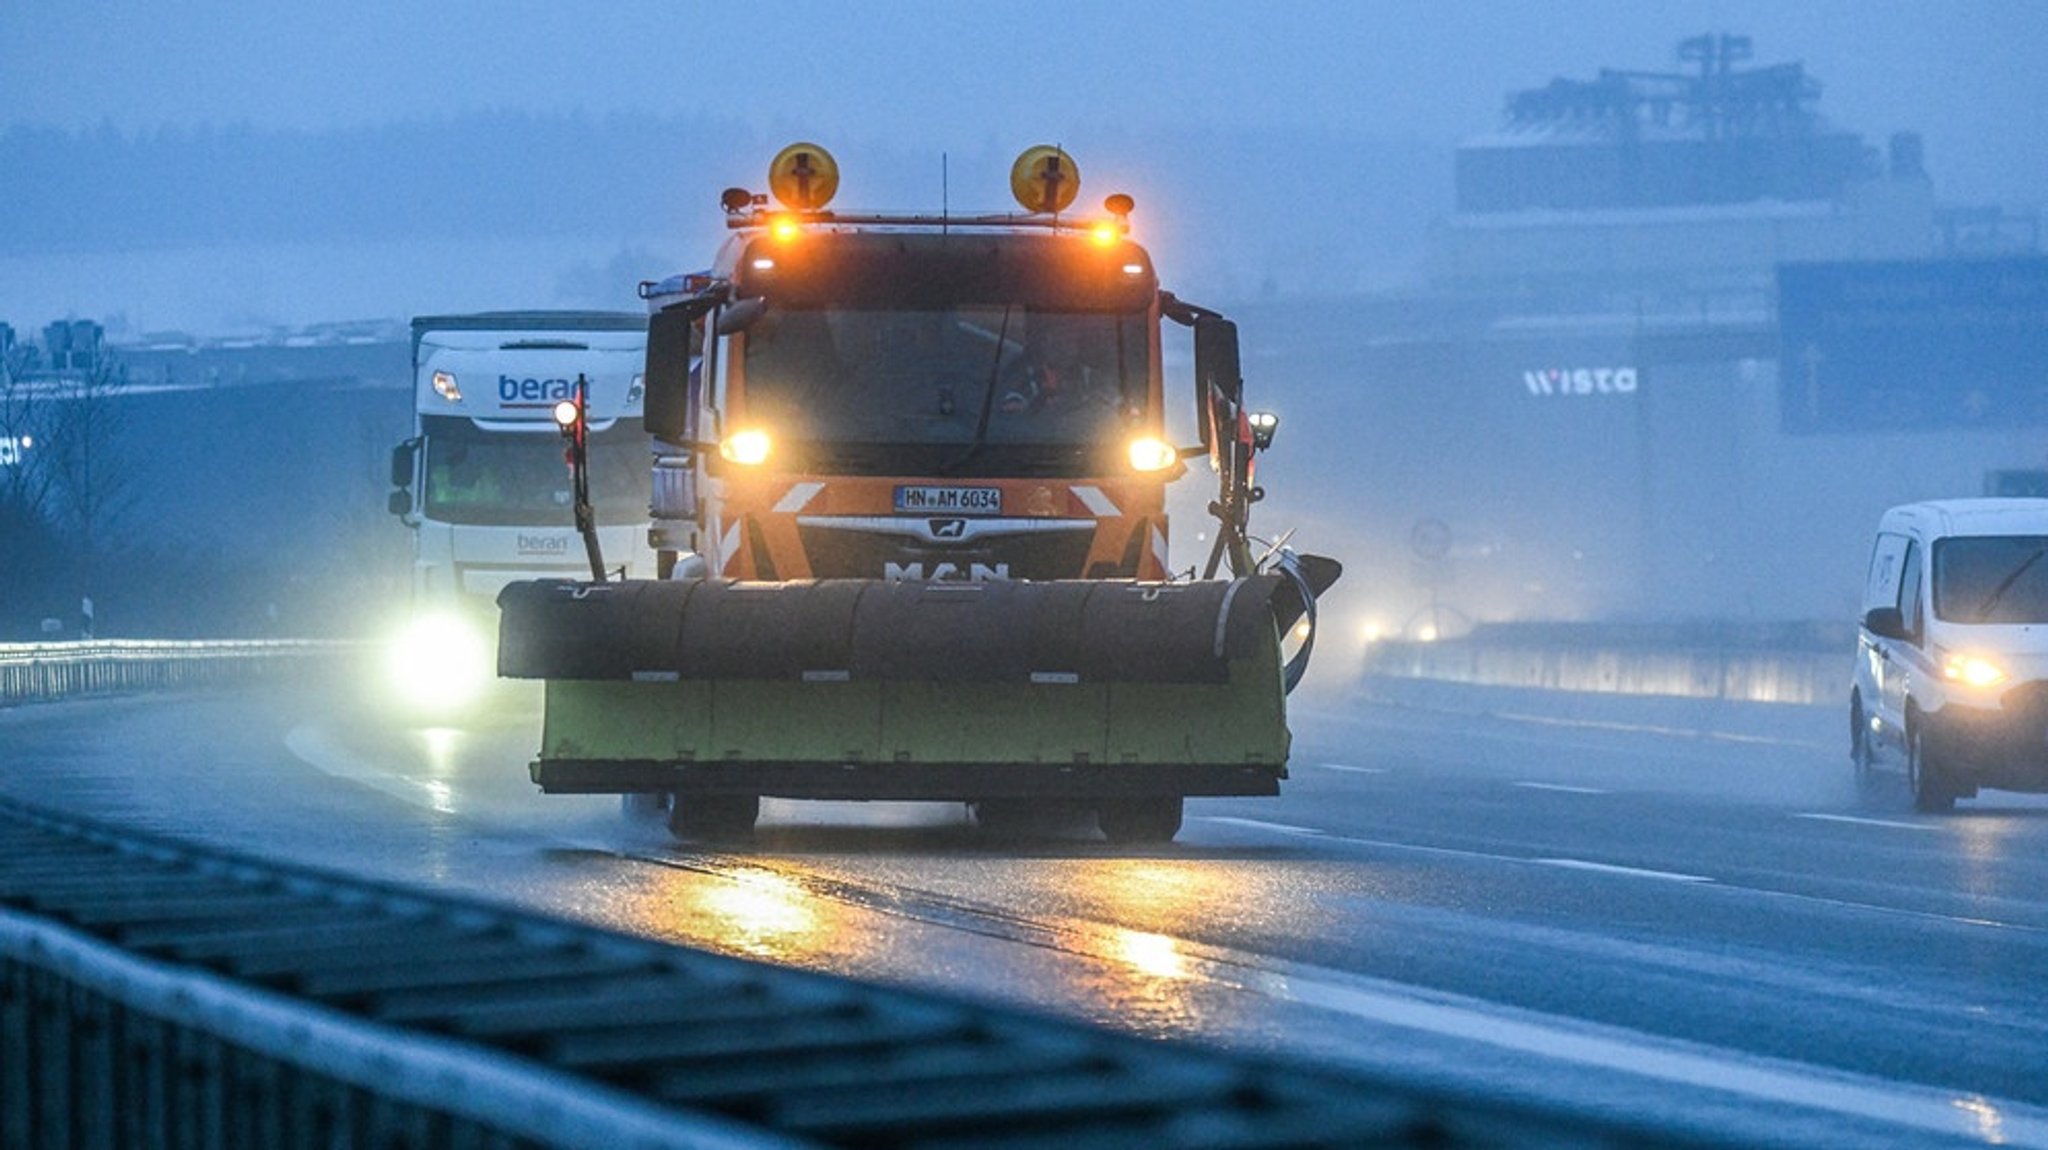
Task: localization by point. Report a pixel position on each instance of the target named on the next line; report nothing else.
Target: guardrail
(42, 671)
(153, 994)
(1793, 664)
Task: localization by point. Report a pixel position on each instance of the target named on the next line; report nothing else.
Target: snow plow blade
(870, 689)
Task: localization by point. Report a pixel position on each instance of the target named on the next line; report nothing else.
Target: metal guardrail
(154, 994)
(1798, 667)
(43, 671)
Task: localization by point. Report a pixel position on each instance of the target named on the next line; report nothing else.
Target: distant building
(1679, 344)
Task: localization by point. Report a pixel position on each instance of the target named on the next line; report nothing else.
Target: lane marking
(1349, 769)
(1862, 822)
(1562, 788)
(312, 747)
(1907, 1104)
(1262, 825)
(1629, 871)
(1653, 729)
(1445, 1015)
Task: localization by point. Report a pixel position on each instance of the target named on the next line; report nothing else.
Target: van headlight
(1971, 670)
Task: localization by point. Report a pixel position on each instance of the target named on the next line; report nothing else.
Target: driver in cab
(1054, 374)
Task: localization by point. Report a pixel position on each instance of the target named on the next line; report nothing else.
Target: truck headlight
(440, 661)
(750, 447)
(1149, 454)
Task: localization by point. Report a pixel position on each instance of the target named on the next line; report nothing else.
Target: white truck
(484, 486)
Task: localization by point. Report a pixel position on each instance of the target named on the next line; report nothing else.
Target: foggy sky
(982, 75)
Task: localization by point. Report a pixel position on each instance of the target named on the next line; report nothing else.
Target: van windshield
(1991, 579)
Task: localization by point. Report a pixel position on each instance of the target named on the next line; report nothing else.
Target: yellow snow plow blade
(869, 689)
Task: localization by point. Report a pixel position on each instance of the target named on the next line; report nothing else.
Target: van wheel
(1932, 791)
(714, 816)
(1151, 819)
(1861, 755)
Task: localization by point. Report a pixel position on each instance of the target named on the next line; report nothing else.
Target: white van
(1952, 660)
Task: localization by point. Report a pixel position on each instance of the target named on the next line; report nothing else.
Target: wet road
(1695, 917)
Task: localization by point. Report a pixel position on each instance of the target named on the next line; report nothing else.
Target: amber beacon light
(1045, 179)
(803, 177)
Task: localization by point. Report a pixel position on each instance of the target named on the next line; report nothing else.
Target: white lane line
(1654, 729)
(1562, 789)
(1826, 818)
(1347, 768)
(1818, 1088)
(1261, 825)
(1632, 872)
(312, 747)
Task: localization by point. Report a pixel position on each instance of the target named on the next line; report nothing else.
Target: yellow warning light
(784, 228)
(1045, 179)
(803, 177)
(1104, 233)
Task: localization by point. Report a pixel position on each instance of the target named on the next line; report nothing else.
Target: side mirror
(400, 503)
(668, 400)
(1886, 623)
(404, 459)
(1219, 381)
(740, 315)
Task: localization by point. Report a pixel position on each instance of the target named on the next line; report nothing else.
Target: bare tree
(91, 483)
(24, 486)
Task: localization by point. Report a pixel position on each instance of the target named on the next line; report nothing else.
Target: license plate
(956, 500)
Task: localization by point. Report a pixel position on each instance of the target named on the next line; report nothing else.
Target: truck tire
(714, 817)
(1149, 819)
(645, 807)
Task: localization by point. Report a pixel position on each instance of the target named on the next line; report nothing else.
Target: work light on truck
(1263, 425)
(444, 386)
(566, 414)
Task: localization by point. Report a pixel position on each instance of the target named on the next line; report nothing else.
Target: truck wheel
(1151, 819)
(645, 807)
(1932, 791)
(714, 816)
(1004, 818)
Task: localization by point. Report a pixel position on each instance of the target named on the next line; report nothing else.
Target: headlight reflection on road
(1990, 1123)
(1151, 979)
(1154, 955)
(761, 914)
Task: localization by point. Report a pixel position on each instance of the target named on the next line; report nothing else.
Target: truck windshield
(1991, 579)
(910, 389)
(520, 479)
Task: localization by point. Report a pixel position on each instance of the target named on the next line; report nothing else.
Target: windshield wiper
(2004, 585)
(988, 398)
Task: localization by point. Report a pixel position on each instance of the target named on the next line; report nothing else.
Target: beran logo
(543, 544)
(1581, 381)
(511, 390)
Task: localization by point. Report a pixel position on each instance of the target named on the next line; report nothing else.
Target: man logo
(948, 528)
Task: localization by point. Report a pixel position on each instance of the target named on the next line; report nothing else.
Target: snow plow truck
(909, 481)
